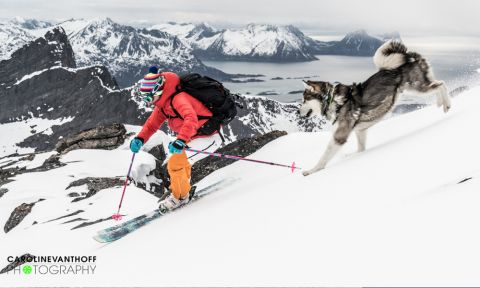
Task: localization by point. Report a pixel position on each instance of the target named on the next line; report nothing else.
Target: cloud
(407, 16)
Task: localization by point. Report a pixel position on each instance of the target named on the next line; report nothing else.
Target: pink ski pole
(117, 216)
(292, 166)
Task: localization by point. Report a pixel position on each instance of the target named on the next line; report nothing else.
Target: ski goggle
(149, 97)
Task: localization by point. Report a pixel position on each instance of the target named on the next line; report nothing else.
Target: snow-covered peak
(177, 29)
(261, 42)
(195, 36)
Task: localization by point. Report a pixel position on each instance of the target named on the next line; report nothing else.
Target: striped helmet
(151, 85)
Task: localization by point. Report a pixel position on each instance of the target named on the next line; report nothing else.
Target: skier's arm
(153, 123)
(190, 120)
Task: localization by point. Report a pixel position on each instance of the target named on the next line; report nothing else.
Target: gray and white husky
(357, 107)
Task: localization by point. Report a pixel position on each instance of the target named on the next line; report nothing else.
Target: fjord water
(456, 60)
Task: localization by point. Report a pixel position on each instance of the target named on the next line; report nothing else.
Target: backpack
(213, 95)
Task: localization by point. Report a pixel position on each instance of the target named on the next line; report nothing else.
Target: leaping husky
(357, 107)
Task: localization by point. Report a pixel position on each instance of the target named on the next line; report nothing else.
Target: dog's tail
(391, 55)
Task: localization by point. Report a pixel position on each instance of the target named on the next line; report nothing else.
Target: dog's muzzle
(305, 110)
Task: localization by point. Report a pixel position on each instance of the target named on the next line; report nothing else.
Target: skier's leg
(179, 171)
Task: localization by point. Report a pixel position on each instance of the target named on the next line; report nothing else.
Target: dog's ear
(308, 86)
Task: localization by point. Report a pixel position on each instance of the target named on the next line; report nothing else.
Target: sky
(415, 17)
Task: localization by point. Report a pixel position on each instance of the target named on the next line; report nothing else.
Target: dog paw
(447, 104)
(446, 108)
(306, 173)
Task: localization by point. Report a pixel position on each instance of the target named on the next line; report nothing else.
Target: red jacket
(187, 106)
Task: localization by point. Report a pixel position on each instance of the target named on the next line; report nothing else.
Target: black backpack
(213, 95)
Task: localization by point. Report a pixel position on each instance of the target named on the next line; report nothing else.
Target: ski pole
(292, 166)
(117, 216)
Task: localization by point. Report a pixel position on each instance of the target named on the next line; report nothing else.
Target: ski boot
(168, 202)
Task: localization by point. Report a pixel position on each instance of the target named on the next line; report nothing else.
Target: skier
(185, 116)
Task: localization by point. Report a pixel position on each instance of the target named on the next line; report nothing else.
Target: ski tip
(99, 239)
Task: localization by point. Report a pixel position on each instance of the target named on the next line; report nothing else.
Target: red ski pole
(292, 166)
(117, 216)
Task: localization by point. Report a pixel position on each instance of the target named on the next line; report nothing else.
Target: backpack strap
(177, 115)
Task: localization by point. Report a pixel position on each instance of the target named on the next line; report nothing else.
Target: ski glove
(177, 146)
(136, 144)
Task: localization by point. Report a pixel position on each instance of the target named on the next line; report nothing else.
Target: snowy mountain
(357, 43)
(406, 208)
(257, 42)
(197, 36)
(12, 37)
(126, 51)
(90, 96)
(254, 42)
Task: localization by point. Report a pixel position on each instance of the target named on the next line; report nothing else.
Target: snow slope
(392, 215)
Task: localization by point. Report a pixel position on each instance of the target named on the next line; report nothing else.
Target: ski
(116, 232)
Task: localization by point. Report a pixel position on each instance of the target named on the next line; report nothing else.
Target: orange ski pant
(180, 171)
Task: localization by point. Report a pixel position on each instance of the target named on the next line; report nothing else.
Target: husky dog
(357, 107)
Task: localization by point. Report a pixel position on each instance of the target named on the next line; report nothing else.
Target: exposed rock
(85, 224)
(268, 93)
(158, 152)
(29, 157)
(357, 43)
(242, 148)
(249, 80)
(94, 185)
(465, 180)
(25, 258)
(65, 216)
(26, 157)
(6, 173)
(158, 187)
(3, 191)
(102, 137)
(51, 50)
(52, 162)
(296, 92)
(17, 216)
(73, 194)
(261, 115)
(74, 220)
